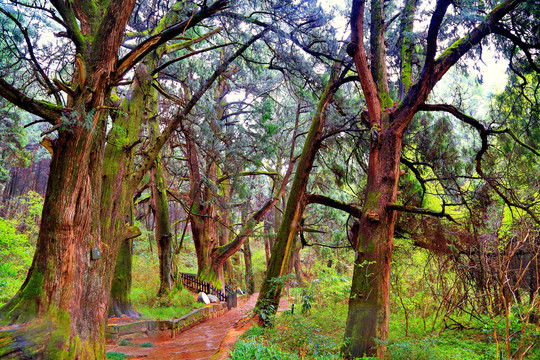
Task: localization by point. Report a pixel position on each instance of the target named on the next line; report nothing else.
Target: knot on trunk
(351, 49)
(373, 216)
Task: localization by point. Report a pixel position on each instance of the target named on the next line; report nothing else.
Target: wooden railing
(192, 282)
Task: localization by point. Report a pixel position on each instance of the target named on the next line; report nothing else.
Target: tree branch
(420, 211)
(484, 133)
(336, 204)
(35, 62)
(153, 42)
(419, 92)
(71, 25)
(247, 173)
(357, 50)
(433, 32)
(46, 110)
(154, 150)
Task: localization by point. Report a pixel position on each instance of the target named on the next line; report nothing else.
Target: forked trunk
(368, 314)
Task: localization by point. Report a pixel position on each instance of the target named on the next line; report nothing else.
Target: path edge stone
(155, 328)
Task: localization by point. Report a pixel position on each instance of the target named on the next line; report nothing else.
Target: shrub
(249, 350)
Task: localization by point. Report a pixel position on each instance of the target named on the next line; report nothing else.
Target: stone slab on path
(200, 342)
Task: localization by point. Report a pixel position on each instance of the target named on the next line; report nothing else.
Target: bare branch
(420, 211)
(336, 204)
(47, 111)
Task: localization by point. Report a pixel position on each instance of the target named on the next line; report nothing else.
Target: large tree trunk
(121, 284)
(62, 297)
(368, 303)
(60, 310)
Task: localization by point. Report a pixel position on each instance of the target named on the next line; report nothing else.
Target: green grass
(116, 356)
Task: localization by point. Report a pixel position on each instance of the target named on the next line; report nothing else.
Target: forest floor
(212, 339)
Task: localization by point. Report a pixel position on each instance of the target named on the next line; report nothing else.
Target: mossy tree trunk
(160, 208)
(117, 195)
(296, 263)
(224, 231)
(248, 260)
(248, 278)
(270, 293)
(121, 283)
(61, 302)
(369, 299)
(142, 107)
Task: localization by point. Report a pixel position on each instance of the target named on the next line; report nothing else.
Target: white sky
(493, 71)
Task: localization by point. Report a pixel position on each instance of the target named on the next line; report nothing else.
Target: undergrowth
(177, 303)
(315, 331)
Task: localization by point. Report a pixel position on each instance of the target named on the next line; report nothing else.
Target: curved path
(202, 341)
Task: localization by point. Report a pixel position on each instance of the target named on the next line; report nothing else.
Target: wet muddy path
(211, 339)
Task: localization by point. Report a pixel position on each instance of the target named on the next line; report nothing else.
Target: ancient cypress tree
(389, 116)
(63, 302)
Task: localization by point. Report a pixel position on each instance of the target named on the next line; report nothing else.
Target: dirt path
(203, 341)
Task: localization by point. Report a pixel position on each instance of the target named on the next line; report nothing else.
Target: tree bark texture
(162, 225)
(250, 282)
(121, 283)
(368, 314)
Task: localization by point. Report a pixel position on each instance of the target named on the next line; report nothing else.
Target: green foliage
(146, 344)
(125, 342)
(116, 356)
(176, 304)
(145, 286)
(15, 258)
(307, 299)
(267, 313)
(251, 350)
(13, 139)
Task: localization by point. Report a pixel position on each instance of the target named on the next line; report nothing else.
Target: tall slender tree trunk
(296, 263)
(270, 293)
(250, 282)
(162, 224)
(224, 230)
(267, 242)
